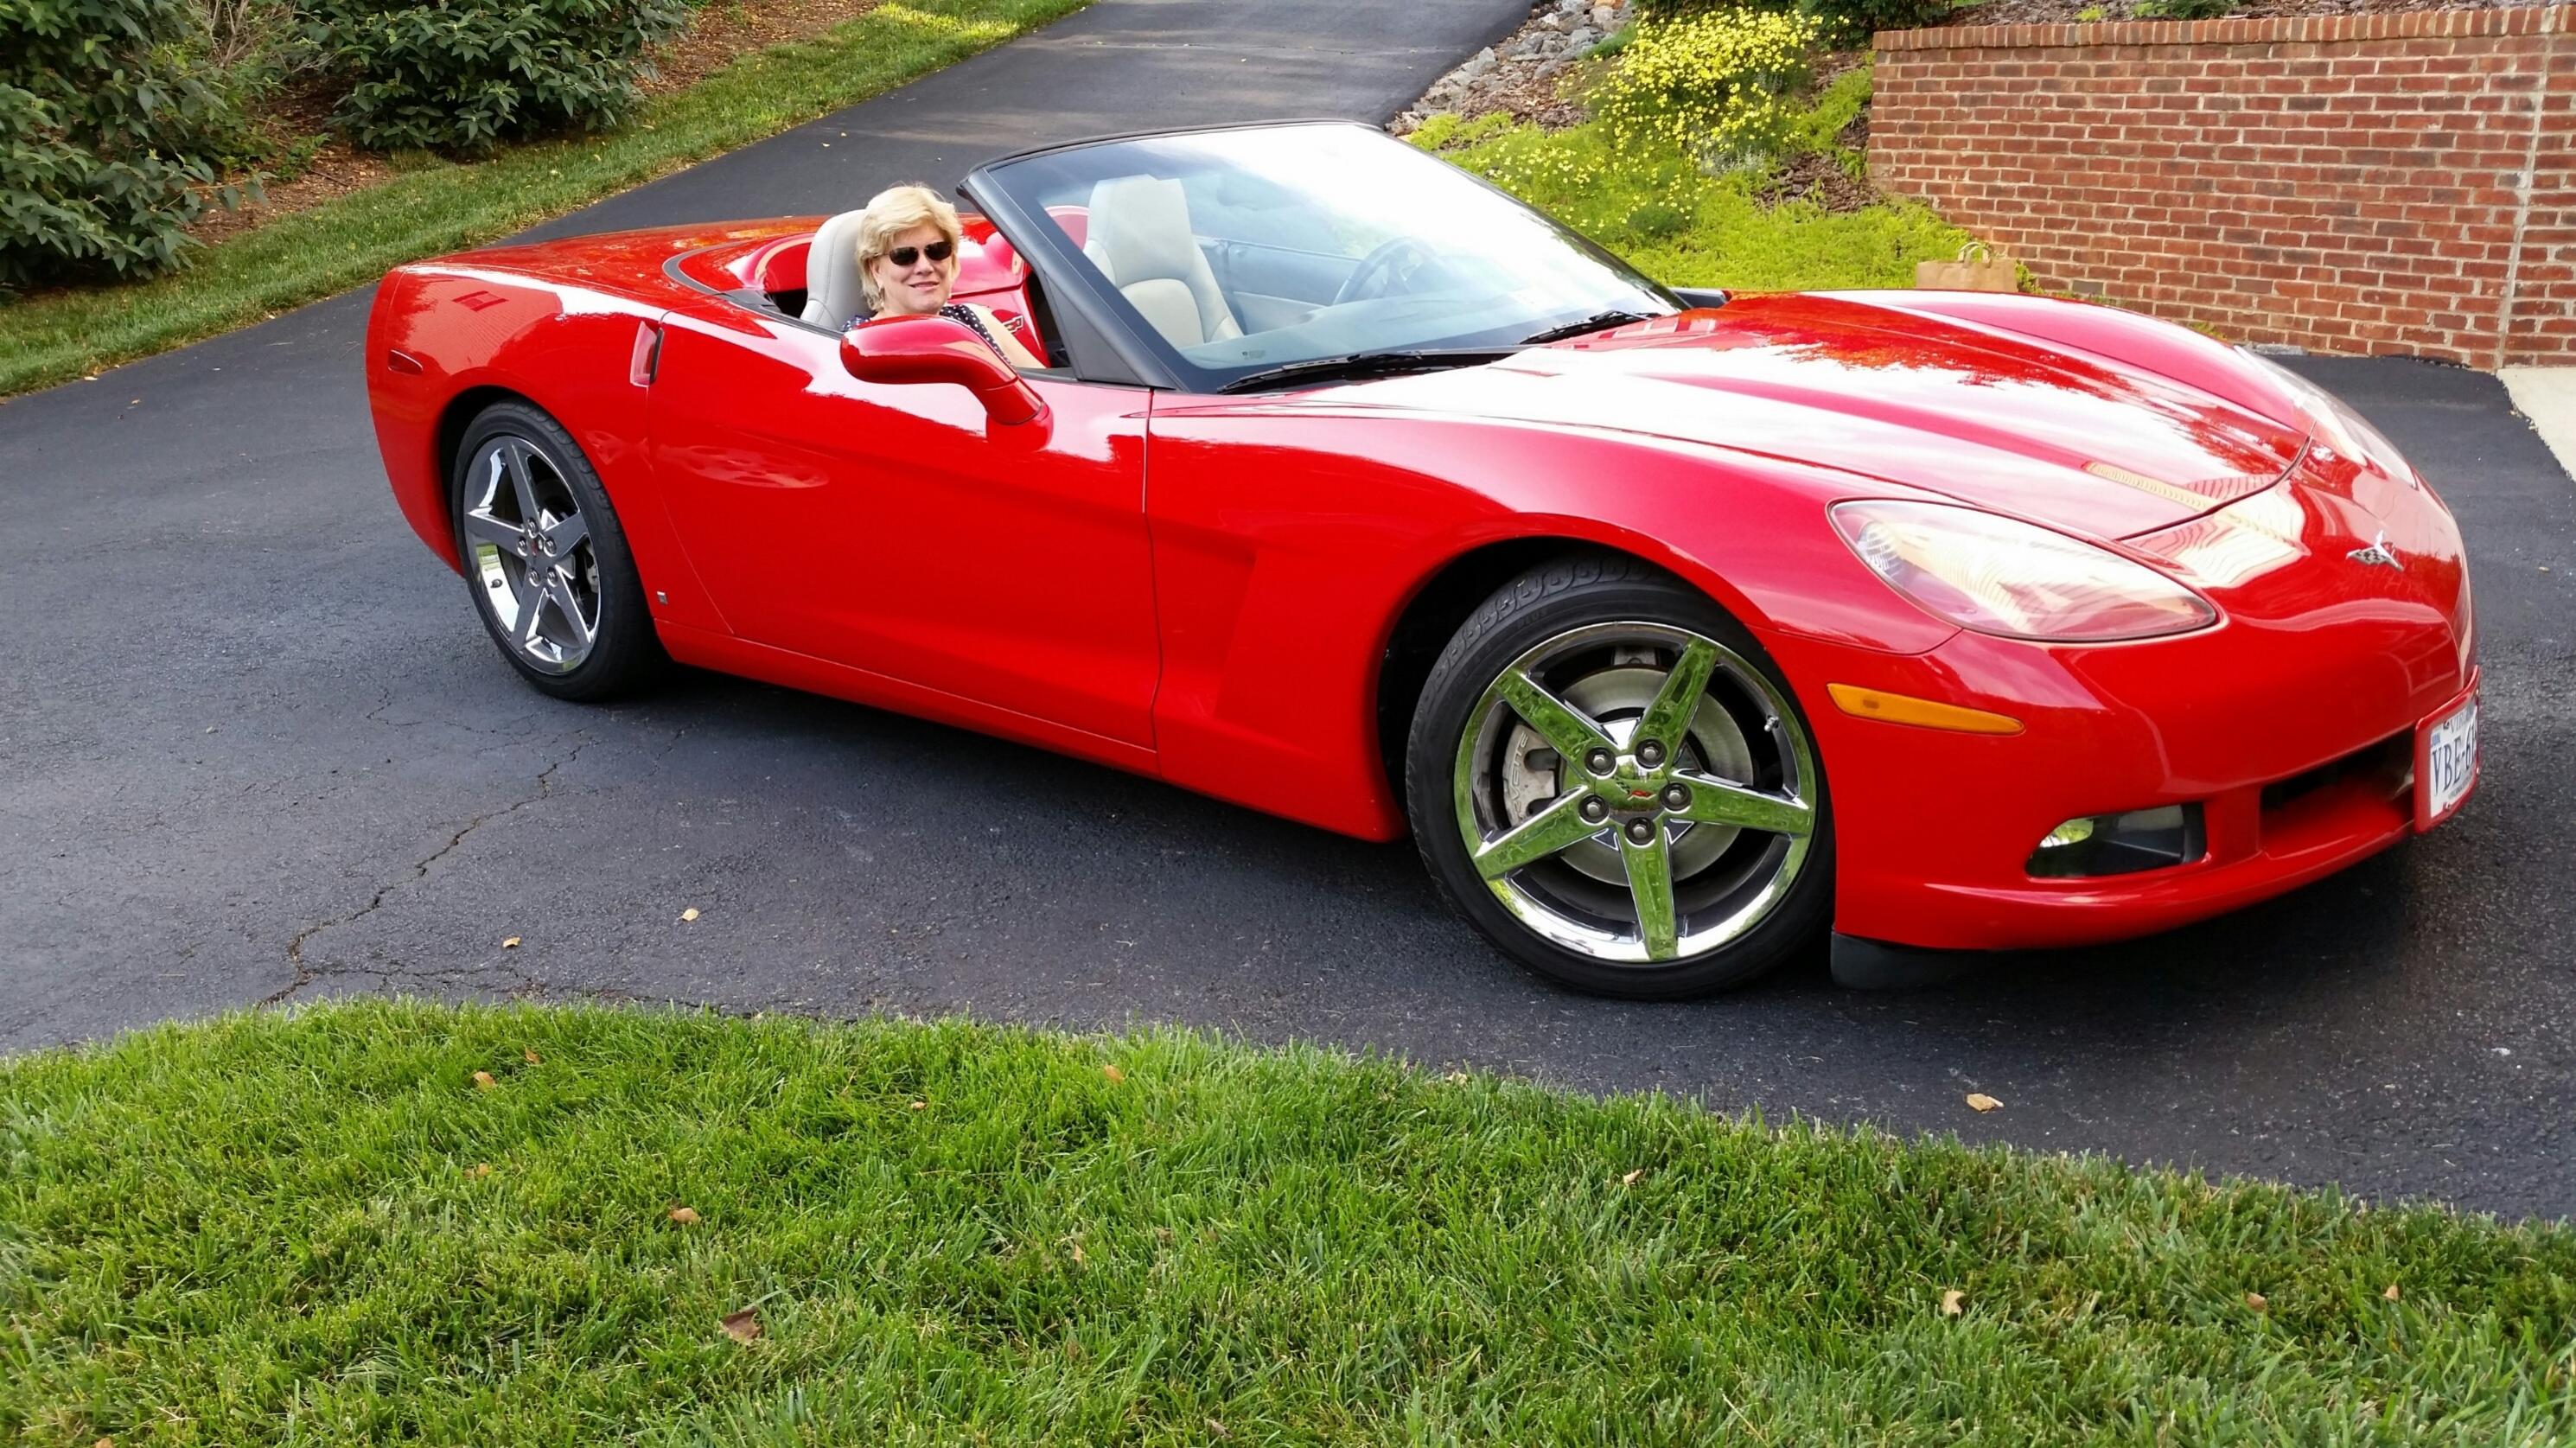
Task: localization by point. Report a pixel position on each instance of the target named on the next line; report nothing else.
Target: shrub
(103, 133)
(1654, 206)
(248, 51)
(460, 75)
(2181, 9)
(1712, 84)
(1845, 22)
(1850, 22)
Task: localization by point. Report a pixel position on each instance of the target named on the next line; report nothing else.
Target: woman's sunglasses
(907, 255)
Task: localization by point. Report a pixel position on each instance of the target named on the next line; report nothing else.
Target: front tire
(1611, 779)
(545, 559)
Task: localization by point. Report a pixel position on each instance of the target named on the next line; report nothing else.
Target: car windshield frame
(1084, 301)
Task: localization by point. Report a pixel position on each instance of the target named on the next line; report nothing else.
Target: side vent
(647, 355)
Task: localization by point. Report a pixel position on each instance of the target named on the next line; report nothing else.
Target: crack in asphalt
(306, 974)
(376, 716)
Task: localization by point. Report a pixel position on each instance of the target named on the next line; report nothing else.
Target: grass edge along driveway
(388, 1220)
(445, 206)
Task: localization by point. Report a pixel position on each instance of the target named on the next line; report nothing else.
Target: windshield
(1242, 251)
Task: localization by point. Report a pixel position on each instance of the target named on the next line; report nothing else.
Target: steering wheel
(1379, 270)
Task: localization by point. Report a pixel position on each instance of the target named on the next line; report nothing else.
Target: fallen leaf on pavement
(2258, 1302)
(1980, 1101)
(742, 1326)
(1950, 1300)
(510, 944)
(684, 1215)
(2391, 1293)
(1630, 1179)
(689, 914)
(483, 1081)
(1113, 1073)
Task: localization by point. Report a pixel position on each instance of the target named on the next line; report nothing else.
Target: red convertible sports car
(1678, 629)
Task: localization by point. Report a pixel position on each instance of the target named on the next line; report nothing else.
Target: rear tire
(1609, 777)
(545, 559)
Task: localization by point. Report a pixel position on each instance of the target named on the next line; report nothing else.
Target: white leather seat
(833, 297)
(1140, 238)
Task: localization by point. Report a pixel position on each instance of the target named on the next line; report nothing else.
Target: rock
(1604, 17)
(1548, 68)
(1568, 7)
(1551, 21)
(1583, 39)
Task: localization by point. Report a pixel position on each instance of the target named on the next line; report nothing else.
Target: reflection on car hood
(1987, 418)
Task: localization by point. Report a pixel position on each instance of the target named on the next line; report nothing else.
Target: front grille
(2381, 771)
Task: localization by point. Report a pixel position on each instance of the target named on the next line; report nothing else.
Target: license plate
(2446, 764)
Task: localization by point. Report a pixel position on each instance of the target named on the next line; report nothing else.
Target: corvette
(1681, 631)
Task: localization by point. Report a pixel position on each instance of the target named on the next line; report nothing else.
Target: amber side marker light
(1926, 713)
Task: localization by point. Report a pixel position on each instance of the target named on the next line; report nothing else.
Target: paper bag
(1978, 269)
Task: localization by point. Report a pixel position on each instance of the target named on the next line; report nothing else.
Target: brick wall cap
(2230, 30)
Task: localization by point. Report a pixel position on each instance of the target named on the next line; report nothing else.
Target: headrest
(1140, 230)
(833, 295)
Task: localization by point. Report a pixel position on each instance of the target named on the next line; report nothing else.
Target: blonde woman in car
(908, 242)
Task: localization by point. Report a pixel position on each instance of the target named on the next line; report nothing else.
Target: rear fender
(444, 340)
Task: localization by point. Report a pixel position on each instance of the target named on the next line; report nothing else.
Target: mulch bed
(1813, 176)
(719, 34)
(716, 36)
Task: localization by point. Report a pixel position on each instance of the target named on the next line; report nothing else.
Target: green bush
(2181, 9)
(1713, 83)
(1656, 207)
(461, 75)
(103, 133)
(1850, 22)
(1843, 22)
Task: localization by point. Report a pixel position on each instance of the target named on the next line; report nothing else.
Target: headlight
(1998, 576)
(2345, 431)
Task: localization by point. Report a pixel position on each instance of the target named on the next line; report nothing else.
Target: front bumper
(2292, 725)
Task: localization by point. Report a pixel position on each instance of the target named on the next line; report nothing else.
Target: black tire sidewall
(625, 648)
(1563, 594)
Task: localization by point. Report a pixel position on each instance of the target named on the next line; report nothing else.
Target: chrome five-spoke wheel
(528, 545)
(1633, 803)
(1635, 792)
(543, 554)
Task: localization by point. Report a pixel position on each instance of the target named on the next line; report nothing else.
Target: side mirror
(935, 349)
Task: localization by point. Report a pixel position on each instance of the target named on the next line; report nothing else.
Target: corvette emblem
(2378, 554)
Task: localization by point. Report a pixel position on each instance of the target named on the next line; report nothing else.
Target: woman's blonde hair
(891, 213)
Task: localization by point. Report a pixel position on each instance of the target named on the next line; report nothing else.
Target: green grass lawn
(442, 206)
(1684, 227)
(319, 1228)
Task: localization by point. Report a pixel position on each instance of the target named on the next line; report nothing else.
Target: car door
(890, 528)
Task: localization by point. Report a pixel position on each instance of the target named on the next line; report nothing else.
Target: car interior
(1178, 249)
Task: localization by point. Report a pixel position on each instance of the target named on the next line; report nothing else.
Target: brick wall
(2354, 183)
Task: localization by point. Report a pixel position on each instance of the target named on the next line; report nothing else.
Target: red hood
(2005, 423)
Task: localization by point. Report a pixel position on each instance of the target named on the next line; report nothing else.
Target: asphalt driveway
(254, 747)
